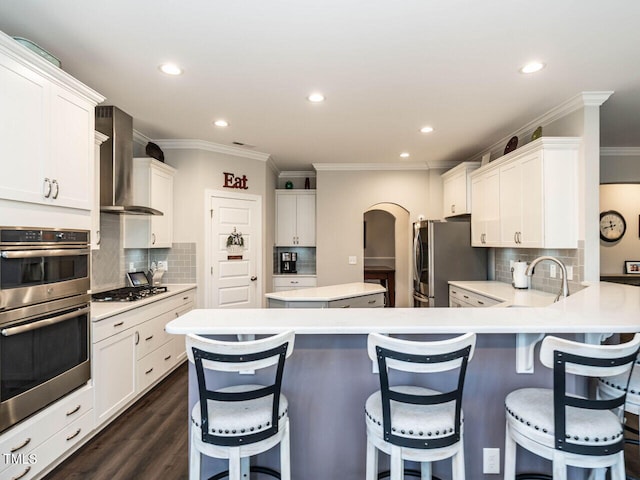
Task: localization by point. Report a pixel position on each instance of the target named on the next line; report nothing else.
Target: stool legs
(285, 456)
(397, 464)
(372, 461)
(425, 471)
(234, 464)
(194, 462)
(457, 464)
(559, 466)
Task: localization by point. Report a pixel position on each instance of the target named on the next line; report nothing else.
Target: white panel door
(235, 276)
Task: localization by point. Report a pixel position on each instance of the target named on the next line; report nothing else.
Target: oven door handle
(59, 252)
(7, 332)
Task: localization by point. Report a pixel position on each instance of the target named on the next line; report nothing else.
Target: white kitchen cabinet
(537, 196)
(46, 131)
(152, 187)
(456, 189)
(296, 218)
(43, 438)
(485, 219)
(460, 297)
(132, 352)
(293, 282)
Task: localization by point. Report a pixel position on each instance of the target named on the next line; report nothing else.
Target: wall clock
(612, 226)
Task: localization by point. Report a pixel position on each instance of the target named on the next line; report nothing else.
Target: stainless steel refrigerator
(442, 252)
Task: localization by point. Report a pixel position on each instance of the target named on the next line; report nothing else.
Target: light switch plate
(569, 272)
(552, 271)
(491, 460)
(353, 260)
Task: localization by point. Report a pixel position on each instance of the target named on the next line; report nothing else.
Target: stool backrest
(421, 357)
(223, 356)
(567, 357)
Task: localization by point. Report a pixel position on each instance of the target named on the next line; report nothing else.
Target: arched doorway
(388, 244)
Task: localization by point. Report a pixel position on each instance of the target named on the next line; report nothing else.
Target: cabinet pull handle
(137, 338)
(480, 302)
(46, 188)
(177, 314)
(149, 371)
(119, 324)
(345, 306)
(453, 209)
(454, 292)
(71, 437)
(55, 182)
(153, 239)
(71, 412)
(27, 470)
(465, 296)
(519, 237)
(21, 446)
(167, 357)
(148, 338)
(185, 298)
(99, 237)
(371, 302)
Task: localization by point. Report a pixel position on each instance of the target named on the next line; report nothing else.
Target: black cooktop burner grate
(127, 294)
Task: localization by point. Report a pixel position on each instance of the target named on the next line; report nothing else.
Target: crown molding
(581, 100)
(179, 144)
(336, 167)
(620, 151)
(140, 138)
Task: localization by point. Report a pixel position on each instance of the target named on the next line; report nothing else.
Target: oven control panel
(21, 236)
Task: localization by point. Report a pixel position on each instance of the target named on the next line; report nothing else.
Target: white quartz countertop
(327, 293)
(505, 293)
(102, 310)
(599, 308)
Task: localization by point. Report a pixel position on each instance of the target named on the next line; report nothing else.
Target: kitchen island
(329, 375)
(348, 295)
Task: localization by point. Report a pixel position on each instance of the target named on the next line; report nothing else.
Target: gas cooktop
(127, 294)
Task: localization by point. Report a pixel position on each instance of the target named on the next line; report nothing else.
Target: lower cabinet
(459, 297)
(132, 352)
(293, 282)
(32, 446)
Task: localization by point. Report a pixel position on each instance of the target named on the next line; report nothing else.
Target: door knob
(253, 279)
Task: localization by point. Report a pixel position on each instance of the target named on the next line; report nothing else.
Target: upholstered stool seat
(610, 387)
(563, 426)
(414, 422)
(241, 420)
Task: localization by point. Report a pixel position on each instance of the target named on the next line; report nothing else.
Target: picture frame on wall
(632, 266)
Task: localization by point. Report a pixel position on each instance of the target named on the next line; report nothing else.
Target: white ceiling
(387, 68)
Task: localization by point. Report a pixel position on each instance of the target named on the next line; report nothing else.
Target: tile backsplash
(541, 279)
(110, 264)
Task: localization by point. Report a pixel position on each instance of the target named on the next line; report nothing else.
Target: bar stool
(612, 386)
(566, 428)
(239, 421)
(410, 422)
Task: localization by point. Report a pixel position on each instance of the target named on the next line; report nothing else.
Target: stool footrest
(533, 476)
(407, 472)
(254, 469)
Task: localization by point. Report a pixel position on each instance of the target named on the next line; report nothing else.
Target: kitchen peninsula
(348, 295)
(329, 376)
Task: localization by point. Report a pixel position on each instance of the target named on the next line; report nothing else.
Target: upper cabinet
(99, 138)
(528, 198)
(152, 187)
(295, 218)
(456, 189)
(46, 131)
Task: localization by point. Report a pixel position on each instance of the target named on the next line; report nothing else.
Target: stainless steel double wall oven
(44, 318)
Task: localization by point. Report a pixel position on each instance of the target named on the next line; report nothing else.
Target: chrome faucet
(564, 290)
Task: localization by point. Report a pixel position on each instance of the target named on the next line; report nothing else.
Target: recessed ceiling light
(221, 123)
(170, 69)
(532, 67)
(404, 154)
(316, 98)
(426, 129)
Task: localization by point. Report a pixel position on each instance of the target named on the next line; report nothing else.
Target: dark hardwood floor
(149, 441)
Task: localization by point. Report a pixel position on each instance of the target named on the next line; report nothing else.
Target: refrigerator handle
(416, 246)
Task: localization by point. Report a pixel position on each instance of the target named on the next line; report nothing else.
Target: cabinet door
(161, 199)
(532, 216)
(455, 195)
(24, 133)
(485, 214)
(114, 369)
(285, 220)
(72, 145)
(306, 220)
(510, 204)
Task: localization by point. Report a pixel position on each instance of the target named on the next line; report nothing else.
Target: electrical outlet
(353, 260)
(569, 272)
(491, 460)
(132, 268)
(552, 271)
(163, 265)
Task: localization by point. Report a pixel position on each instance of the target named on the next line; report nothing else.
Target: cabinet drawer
(470, 298)
(292, 283)
(26, 436)
(365, 301)
(153, 366)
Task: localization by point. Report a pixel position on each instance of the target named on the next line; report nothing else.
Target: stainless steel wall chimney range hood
(116, 163)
